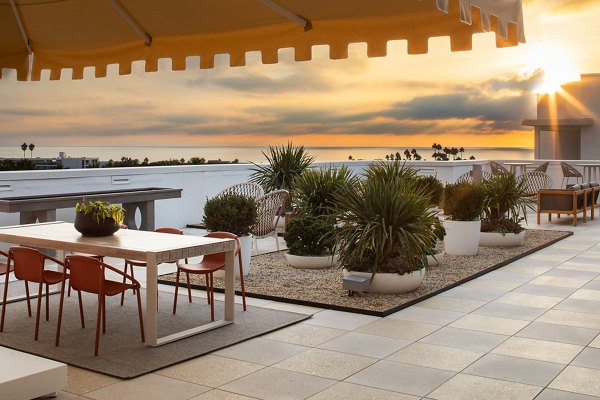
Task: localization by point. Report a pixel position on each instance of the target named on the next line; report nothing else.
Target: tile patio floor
(527, 331)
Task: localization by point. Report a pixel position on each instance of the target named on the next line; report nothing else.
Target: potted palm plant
(234, 213)
(98, 218)
(462, 205)
(385, 228)
(504, 208)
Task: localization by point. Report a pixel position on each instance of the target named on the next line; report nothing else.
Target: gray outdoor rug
(122, 354)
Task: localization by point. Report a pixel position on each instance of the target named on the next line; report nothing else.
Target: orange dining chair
(4, 267)
(29, 265)
(210, 264)
(88, 274)
(129, 264)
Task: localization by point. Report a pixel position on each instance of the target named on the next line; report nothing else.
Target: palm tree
(24, 148)
(461, 151)
(31, 147)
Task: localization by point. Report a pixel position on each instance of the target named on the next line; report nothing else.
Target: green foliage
(384, 223)
(100, 210)
(230, 212)
(463, 201)
(309, 235)
(314, 189)
(433, 187)
(504, 203)
(285, 164)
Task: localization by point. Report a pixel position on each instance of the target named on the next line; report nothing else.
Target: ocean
(252, 153)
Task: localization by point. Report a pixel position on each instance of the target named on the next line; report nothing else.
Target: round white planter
(311, 262)
(496, 239)
(435, 260)
(462, 237)
(246, 242)
(388, 283)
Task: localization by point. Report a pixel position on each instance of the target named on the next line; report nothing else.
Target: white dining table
(152, 247)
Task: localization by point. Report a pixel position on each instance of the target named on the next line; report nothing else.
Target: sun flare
(557, 67)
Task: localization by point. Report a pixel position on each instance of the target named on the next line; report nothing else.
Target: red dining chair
(210, 264)
(131, 263)
(4, 267)
(29, 265)
(88, 274)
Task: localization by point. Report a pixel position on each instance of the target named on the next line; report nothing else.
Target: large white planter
(462, 237)
(311, 262)
(388, 283)
(435, 260)
(246, 242)
(496, 239)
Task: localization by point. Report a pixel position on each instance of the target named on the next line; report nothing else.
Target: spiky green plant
(284, 165)
(504, 205)
(100, 210)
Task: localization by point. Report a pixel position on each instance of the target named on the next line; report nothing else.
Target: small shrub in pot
(230, 212)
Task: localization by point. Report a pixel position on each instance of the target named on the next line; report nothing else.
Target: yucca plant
(385, 225)
(504, 205)
(285, 164)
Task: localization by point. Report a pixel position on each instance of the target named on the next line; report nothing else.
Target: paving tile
(82, 381)
(511, 311)
(433, 356)
(485, 323)
(396, 328)
(217, 394)
(545, 290)
(222, 370)
(591, 267)
(399, 377)
(526, 269)
(365, 345)
(427, 315)
(579, 305)
(150, 386)
(451, 304)
(572, 273)
(559, 281)
(261, 351)
(596, 342)
(587, 294)
(305, 335)
(578, 380)
(571, 318)
(558, 333)
(541, 350)
(350, 391)
(326, 364)
(529, 300)
(508, 276)
(470, 293)
(515, 369)
(340, 320)
(465, 339)
(553, 394)
(593, 285)
(469, 387)
(275, 384)
(588, 358)
(492, 284)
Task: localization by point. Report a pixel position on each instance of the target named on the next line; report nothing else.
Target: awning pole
(21, 27)
(136, 27)
(288, 14)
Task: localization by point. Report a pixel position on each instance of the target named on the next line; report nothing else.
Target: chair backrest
(569, 171)
(467, 177)
(268, 210)
(542, 167)
(28, 263)
(86, 273)
(174, 231)
(220, 257)
(248, 189)
(498, 168)
(534, 181)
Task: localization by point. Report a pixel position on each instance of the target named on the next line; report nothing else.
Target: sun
(557, 66)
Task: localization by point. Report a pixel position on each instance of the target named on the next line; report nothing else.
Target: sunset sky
(468, 99)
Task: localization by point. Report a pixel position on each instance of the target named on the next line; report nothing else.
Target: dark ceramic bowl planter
(88, 227)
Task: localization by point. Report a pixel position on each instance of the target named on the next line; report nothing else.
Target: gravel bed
(272, 277)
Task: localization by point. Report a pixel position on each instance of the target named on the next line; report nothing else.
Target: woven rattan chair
(468, 177)
(569, 171)
(534, 182)
(248, 189)
(497, 168)
(542, 167)
(269, 211)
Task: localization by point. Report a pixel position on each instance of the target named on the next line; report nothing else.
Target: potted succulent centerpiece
(462, 205)
(385, 228)
(504, 209)
(98, 218)
(233, 213)
(308, 235)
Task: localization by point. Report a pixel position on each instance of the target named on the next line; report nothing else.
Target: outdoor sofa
(571, 201)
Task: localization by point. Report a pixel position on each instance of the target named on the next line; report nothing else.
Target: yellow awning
(75, 34)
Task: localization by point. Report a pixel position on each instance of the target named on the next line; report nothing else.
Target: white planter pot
(436, 259)
(496, 239)
(462, 237)
(388, 283)
(246, 242)
(311, 262)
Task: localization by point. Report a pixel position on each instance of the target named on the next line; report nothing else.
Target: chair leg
(39, 310)
(98, 319)
(208, 299)
(139, 301)
(4, 301)
(124, 280)
(103, 315)
(176, 293)
(81, 309)
(27, 295)
(47, 303)
(60, 310)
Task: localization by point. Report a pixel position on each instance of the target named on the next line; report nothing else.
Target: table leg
(150, 319)
(229, 286)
